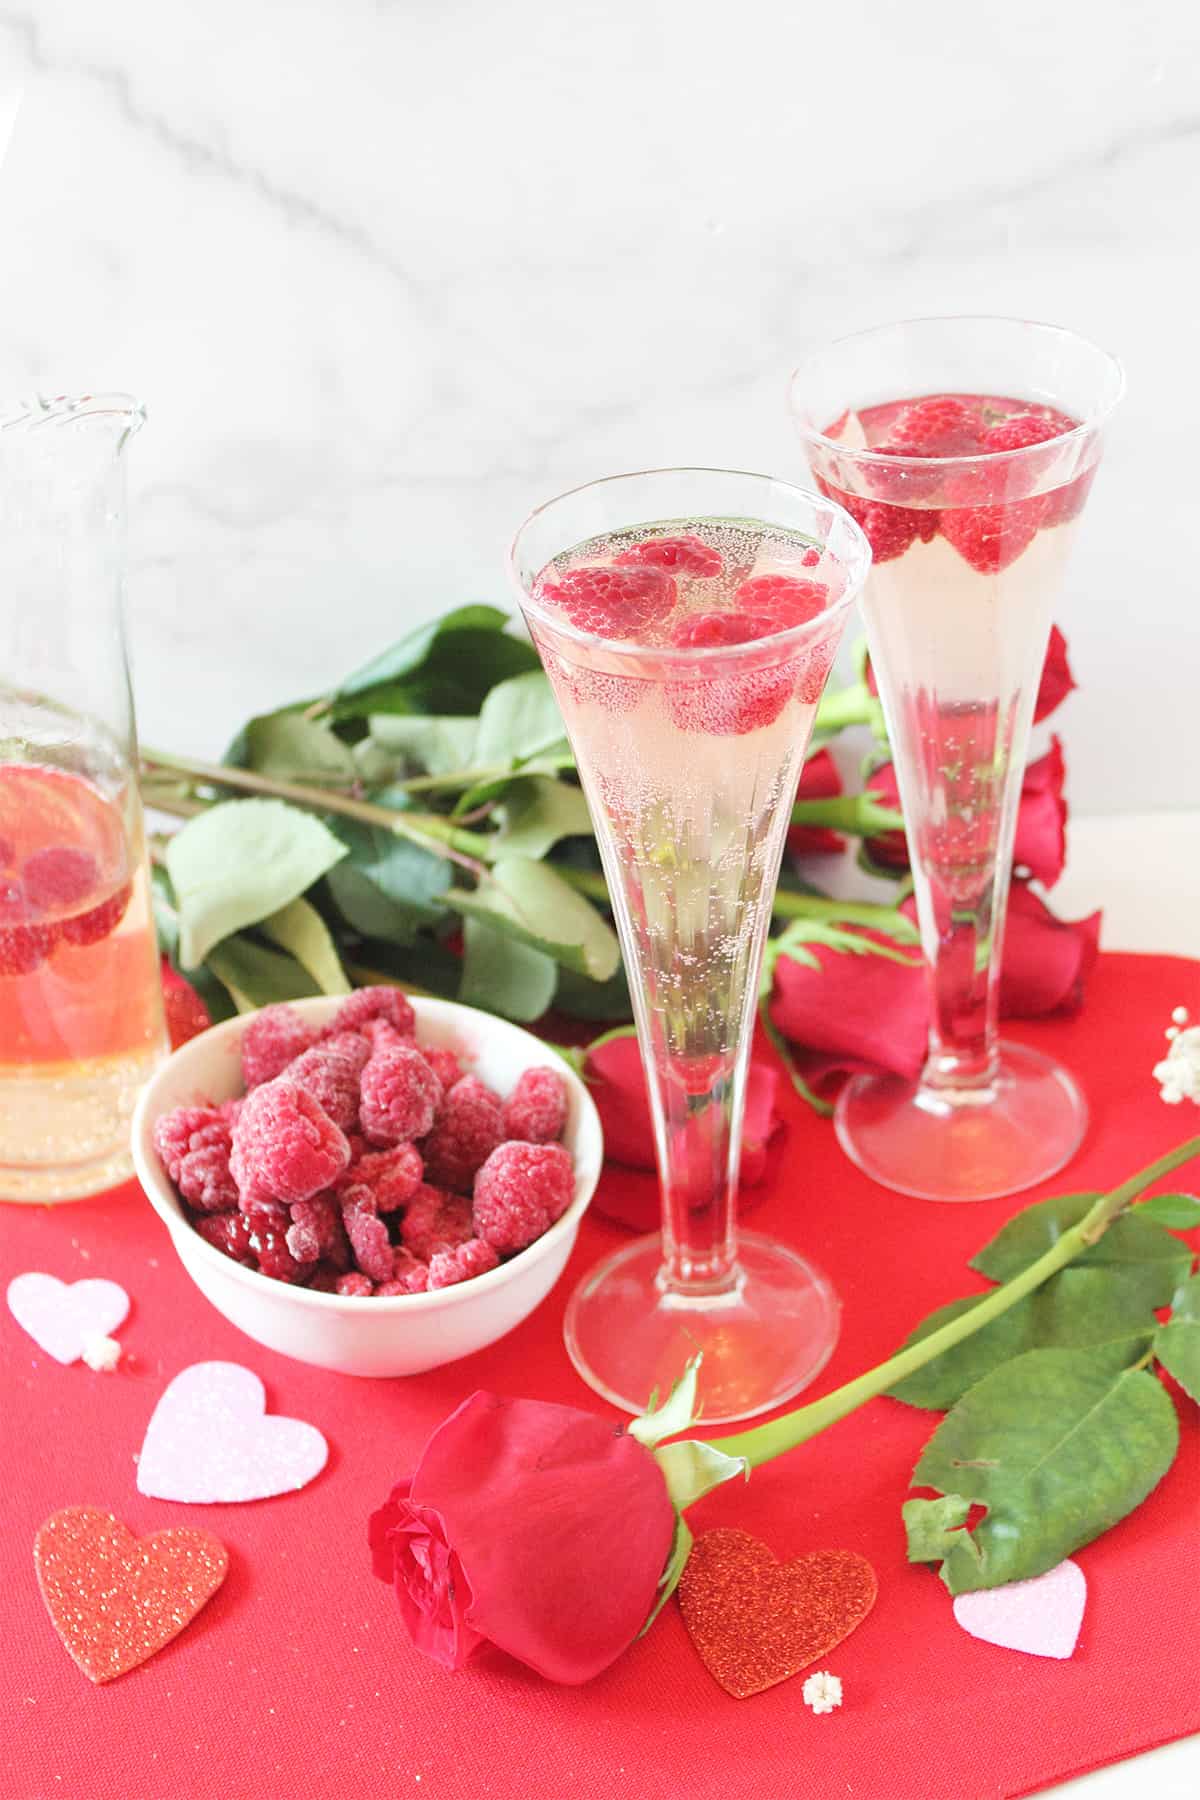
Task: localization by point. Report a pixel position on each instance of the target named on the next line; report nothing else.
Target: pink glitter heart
(1041, 1616)
(61, 1316)
(211, 1439)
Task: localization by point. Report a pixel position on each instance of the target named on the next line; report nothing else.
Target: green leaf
(518, 720)
(387, 887)
(410, 652)
(299, 929)
(288, 747)
(528, 901)
(693, 1469)
(1177, 1343)
(240, 861)
(256, 976)
(597, 1001)
(539, 812)
(216, 998)
(435, 746)
(1180, 1212)
(681, 1549)
(1058, 1445)
(504, 976)
(1074, 1308)
(1131, 1238)
(930, 1525)
(447, 666)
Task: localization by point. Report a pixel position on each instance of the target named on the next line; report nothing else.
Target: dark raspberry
(59, 877)
(316, 1232)
(367, 1233)
(448, 1267)
(468, 1127)
(273, 1038)
(781, 601)
(91, 926)
(375, 1003)
(409, 1276)
(330, 1072)
(435, 1221)
(354, 1284)
(324, 1278)
(399, 1096)
(259, 1207)
(174, 1133)
(204, 1179)
(520, 1191)
(391, 1177)
(612, 602)
(444, 1064)
(285, 1144)
(685, 555)
(228, 1232)
(274, 1257)
(536, 1110)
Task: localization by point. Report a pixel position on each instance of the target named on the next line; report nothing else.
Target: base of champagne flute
(762, 1341)
(973, 1144)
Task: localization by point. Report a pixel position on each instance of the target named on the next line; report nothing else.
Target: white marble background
(387, 274)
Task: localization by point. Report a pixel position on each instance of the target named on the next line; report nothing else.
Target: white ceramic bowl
(396, 1335)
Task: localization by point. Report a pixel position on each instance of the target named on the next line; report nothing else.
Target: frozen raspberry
(445, 1066)
(375, 1003)
(354, 1284)
(367, 1233)
(285, 1144)
(990, 538)
(324, 1278)
(727, 704)
(706, 631)
(228, 1232)
(1019, 431)
(448, 1267)
(204, 1179)
(520, 1191)
(942, 425)
(536, 1110)
(274, 1257)
(781, 601)
(174, 1133)
(229, 1110)
(316, 1232)
(330, 1072)
(91, 926)
(381, 1034)
(59, 877)
(409, 1275)
(391, 1177)
(435, 1221)
(261, 1208)
(272, 1039)
(468, 1127)
(686, 555)
(612, 602)
(399, 1096)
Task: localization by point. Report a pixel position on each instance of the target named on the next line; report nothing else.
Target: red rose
(1046, 960)
(890, 849)
(537, 1528)
(1057, 679)
(820, 779)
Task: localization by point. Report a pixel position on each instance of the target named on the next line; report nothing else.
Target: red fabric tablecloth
(297, 1679)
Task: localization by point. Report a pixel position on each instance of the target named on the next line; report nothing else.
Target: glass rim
(59, 409)
(809, 434)
(809, 629)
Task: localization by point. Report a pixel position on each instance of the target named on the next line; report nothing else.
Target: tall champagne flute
(687, 619)
(965, 448)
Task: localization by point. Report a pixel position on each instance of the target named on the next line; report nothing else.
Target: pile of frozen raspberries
(359, 1163)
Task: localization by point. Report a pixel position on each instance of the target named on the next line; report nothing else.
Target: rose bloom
(820, 779)
(537, 1528)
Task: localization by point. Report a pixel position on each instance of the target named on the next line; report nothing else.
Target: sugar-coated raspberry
(330, 1072)
(781, 601)
(273, 1038)
(381, 1034)
(228, 1232)
(204, 1178)
(285, 1144)
(59, 877)
(444, 1064)
(316, 1232)
(468, 1127)
(941, 425)
(174, 1133)
(409, 1274)
(435, 1221)
(354, 1284)
(367, 1233)
(229, 1110)
(536, 1110)
(391, 1177)
(686, 554)
(274, 1258)
(612, 602)
(520, 1191)
(91, 926)
(990, 538)
(399, 1096)
(261, 1208)
(448, 1267)
(367, 1003)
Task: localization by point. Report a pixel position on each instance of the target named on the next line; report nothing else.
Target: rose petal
(1041, 839)
(853, 1012)
(820, 779)
(1057, 680)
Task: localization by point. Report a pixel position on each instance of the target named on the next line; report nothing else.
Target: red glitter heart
(115, 1599)
(756, 1621)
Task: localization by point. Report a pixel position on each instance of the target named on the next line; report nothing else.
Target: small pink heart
(1041, 1616)
(61, 1316)
(211, 1439)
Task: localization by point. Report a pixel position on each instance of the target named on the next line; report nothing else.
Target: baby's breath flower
(822, 1691)
(1178, 1074)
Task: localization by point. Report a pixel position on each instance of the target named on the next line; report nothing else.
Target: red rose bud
(1047, 960)
(1057, 679)
(820, 779)
(537, 1528)
(1040, 845)
(852, 1013)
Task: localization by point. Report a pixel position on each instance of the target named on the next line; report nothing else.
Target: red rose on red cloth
(537, 1528)
(820, 779)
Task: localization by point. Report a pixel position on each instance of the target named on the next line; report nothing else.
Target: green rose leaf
(518, 720)
(1074, 1308)
(1132, 1238)
(240, 861)
(599, 1001)
(930, 1525)
(1058, 1445)
(435, 745)
(1179, 1212)
(527, 900)
(255, 976)
(288, 747)
(504, 976)
(299, 929)
(1177, 1343)
(447, 666)
(387, 887)
(538, 812)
